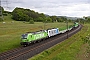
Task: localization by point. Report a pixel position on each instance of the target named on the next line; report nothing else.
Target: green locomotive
(28, 38)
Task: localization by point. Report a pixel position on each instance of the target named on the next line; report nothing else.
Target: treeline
(21, 14)
(83, 20)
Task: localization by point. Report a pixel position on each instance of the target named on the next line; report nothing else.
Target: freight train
(33, 37)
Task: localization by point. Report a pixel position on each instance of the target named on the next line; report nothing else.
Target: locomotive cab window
(24, 36)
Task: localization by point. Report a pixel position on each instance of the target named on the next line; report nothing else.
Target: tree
(53, 18)
(31, 22)
(39, 19)
(19, 15)
(59, 19)
(64, 18)
(26, 18)
(48, 19)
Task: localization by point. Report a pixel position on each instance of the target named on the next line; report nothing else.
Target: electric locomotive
(32, 37)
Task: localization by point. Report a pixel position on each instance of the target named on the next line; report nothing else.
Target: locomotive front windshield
(24, 36)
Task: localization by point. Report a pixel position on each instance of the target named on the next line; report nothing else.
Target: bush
(31, 22)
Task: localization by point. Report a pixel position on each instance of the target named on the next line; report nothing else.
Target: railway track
(23, 53)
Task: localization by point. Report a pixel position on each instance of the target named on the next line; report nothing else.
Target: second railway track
(24, 53)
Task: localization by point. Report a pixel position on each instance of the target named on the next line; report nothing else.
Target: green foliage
(53, 18)
(39, 19)
(60, 20)
(48, 19)
(21, 14)
(31, 22)
(64, 18)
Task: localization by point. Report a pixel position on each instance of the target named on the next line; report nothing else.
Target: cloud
(73, 8)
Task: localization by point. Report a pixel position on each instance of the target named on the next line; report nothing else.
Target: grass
(11, 31)
(66, 50)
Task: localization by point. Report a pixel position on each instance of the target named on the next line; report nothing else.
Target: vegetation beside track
(68, 49)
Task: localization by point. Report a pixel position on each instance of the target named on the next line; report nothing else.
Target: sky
(70, 8)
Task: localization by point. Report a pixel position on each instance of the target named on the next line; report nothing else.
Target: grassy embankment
(11, 31)
(74, 48)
